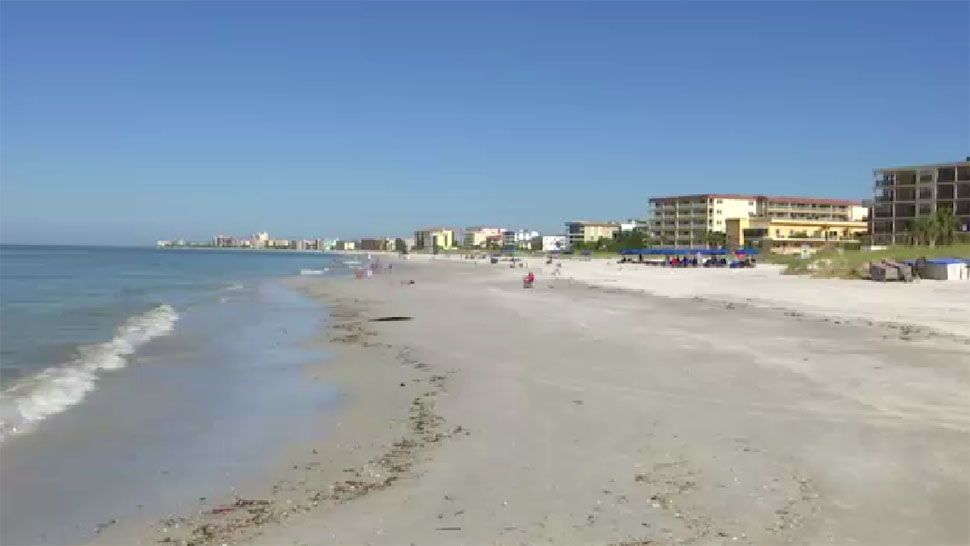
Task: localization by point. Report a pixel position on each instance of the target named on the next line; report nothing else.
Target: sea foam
(34, 398)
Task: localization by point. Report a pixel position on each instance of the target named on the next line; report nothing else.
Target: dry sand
(573, 413)
(941, 306)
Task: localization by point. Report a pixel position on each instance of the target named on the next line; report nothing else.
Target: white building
(520, 238)
(260, 240)
(555, 242)
(633, 225)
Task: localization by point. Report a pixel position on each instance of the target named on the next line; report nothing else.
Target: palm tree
(945, 224)
(715, 239)
(924, 229)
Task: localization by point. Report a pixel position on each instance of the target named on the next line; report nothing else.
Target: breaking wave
(32, 399)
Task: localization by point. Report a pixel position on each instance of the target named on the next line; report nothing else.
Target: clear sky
(125, 122)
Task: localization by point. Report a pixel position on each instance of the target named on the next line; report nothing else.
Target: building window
(750, 203)
(719, 222)
(719, 211)
(719, 201)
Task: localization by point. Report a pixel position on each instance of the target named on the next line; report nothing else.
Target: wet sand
(571, 413)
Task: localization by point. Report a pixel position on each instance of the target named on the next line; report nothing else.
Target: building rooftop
(815, 200)
(785, 198)
(799, 221)
(705, 196)
(593, 223)
(965, 163)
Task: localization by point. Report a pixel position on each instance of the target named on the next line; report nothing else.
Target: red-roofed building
(689, 220)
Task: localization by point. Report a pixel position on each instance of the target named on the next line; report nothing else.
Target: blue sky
(124, 122)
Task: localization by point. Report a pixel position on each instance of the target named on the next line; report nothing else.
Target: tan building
(812, 208)
(477, 236)
(791, 236)
(582, 231)
(435, 237)
(904, 194)
(688, 220)
(260, 240)
(278, 244)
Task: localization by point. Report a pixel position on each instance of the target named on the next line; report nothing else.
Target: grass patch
(850, 264)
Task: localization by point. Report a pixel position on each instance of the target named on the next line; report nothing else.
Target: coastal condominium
(902, 195)
(522, 238)
(478, 236)
(584, 231)
(793, 236)
(433, 238)
(688, 220)
(376, 244)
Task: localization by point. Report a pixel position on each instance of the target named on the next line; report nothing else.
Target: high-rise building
(902, 195)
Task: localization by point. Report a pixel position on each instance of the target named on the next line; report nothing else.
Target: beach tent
(686, 251)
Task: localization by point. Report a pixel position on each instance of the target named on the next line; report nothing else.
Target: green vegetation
(941, 228)
(623, 241)
(716, 239)
(851, 264)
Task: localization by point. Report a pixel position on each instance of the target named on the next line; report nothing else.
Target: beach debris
(102, 526)
(242, 518)
(447, 529)
(392, 318)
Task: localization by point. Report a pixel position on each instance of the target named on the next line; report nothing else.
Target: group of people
(742, 260)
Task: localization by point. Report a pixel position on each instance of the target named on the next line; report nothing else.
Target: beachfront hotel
(478, 236)
(434, 237)
(901, 195)
(687, 220)
(792, 236)
(583, 231)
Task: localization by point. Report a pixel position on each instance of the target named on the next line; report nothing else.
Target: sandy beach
(591, 409)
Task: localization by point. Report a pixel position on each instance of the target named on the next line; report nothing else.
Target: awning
(687, 251)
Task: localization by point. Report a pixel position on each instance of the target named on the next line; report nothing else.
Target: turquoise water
(135, 379)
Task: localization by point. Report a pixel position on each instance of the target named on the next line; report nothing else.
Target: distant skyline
(127, 122)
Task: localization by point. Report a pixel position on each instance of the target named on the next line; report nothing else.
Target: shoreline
(575, 413)
(383, 423)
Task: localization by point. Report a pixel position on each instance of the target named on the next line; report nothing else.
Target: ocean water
(134, 379)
